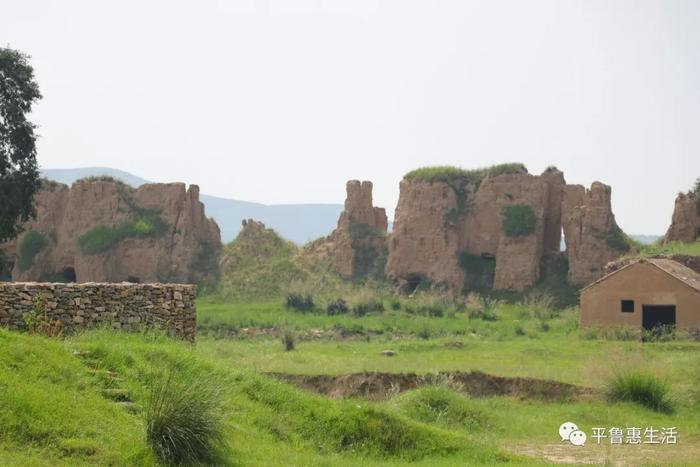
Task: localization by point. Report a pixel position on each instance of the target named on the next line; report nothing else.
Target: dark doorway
(69, 275)
(654, 316)
(410, 283)
(133, 280)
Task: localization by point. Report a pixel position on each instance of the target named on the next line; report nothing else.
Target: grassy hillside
(671, 248)
(83, 400)
(259, 263)
(58, 408)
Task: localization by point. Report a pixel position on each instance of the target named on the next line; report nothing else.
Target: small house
(644, 294)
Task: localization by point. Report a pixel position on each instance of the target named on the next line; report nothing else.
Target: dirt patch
(378, 386)
(617, 455)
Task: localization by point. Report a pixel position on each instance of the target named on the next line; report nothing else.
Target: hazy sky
(283, 101)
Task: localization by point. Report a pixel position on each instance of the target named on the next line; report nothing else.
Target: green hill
(83, 401)
(261, 264)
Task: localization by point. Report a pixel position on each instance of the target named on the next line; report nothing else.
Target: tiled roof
(673, 268)
(677, 270)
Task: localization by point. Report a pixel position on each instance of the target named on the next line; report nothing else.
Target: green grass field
(80, 400)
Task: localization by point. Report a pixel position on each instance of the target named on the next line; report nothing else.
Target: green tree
(19, 173)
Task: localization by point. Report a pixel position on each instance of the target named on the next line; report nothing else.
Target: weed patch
(641, 388)
(31, 244)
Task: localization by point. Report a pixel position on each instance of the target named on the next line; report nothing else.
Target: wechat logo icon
(569, 432)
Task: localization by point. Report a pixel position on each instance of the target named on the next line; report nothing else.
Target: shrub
(539, 299)
(641, 388)
(424, 333)
(483, 314)
(367, 301)
(395, 305)
(31, 245)
(540, 304)
(183, 419)
(518, 220)
(38, 321)
(98, 239)
(365, 308)
(519, 330)
(432, 311)
(486, 308)
(103, 238)
(337, 307)
(289, 341)
(662, 333)
(618, 241)
(299, 302)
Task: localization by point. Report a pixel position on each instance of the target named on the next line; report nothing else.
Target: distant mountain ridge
(299, 223)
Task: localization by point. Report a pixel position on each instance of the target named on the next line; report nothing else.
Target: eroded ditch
(380, 386)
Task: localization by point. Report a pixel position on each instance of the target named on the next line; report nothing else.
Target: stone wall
(121, 306)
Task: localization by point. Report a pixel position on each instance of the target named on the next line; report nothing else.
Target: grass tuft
(641, 388)
(183, 419)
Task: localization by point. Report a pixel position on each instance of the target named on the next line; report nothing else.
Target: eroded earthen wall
(685, 224)
(122, 306)
(185, 251)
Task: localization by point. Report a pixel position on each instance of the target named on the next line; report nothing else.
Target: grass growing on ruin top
(109, 179)
(449, 174)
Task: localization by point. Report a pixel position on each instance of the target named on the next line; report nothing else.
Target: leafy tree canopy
(19, 173)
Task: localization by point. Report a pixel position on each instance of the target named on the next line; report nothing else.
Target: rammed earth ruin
(485, 228)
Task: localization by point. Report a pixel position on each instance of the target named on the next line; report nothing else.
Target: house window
(627, 306)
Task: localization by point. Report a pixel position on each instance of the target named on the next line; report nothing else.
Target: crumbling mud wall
(357, 247)
(593, 238)
(685, 223)
(105, 231)
(493, 227)
(170, 307)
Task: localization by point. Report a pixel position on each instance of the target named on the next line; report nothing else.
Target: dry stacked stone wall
(122, 306)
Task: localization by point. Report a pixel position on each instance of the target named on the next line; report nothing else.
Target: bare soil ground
(686, 453)
(379, 386)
